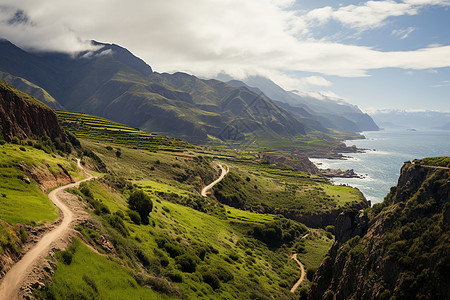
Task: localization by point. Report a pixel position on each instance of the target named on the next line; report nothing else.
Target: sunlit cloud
(262, 37)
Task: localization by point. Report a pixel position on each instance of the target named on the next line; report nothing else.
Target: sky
(387, 54)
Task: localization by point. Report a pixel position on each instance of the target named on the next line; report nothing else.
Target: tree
(141, 203)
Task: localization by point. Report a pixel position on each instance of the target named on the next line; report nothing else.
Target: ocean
(388, 150)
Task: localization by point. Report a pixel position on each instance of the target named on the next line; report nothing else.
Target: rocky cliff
(399, 249)
(23, 116)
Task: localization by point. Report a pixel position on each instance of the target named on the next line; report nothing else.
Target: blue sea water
(388, 150)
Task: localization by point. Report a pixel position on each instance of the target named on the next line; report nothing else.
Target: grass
(256, 268)
(275, 189)
(22, 202)
(246, 216)
(317, 245)
(106, 131)
(443, 161)
(92, 276)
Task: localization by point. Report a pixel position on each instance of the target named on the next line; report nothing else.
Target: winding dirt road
(224, 171)
(302, 277)
(11, 283)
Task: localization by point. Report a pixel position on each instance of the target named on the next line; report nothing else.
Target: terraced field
(100, 129)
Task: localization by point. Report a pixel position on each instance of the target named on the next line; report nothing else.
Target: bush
(211, 279)
(23, 149)
(116, 222)
(109, 148)
(175, 276)
(15, 140)
(173, 250)
(67, 257)
(134, 216)
(141, 203)
(223, 274)
(187, 262)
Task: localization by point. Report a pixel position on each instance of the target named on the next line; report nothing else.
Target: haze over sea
(380, 165)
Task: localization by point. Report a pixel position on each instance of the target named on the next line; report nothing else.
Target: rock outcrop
(22, 116)
(404, 253)
(298, 162)
(349, 173)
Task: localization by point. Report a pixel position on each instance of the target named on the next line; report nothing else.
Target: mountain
(329, 112)
(113, 83)
(31, 89)
(23, 117)
(423, 120)
(399, 249)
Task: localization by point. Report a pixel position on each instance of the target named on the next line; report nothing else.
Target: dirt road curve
(11, 283)
(302, 277)
(224, 171)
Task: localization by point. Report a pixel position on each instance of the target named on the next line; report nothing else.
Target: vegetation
(141, 203)
(34, 206)
(405, 252)
(87, 275)
(189, 245)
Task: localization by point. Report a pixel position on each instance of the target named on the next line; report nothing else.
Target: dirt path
(13, 280)
(302, 277)
(435, 167)
(224, 171)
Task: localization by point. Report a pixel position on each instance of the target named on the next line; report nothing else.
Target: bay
(387, 151)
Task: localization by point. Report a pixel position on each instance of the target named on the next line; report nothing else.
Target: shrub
(134, 216)
(187, 262)
(211, 279)
(175, 276)
(173, 250)
(109, 148)
(15, 140)
(67, 257)
(23, 149)
(116, 222)
(223, 274)
(118, 154)
(141, 203)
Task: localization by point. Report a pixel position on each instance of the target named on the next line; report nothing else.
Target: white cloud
(403, 33)
(371, 14)
(315, 80)
(207, 37)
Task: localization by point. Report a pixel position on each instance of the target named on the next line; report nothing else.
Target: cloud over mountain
(266, 37)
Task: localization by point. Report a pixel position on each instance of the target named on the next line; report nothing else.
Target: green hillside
(189, 246)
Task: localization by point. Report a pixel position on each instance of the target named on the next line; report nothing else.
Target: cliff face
(400, 248)
(23, 116)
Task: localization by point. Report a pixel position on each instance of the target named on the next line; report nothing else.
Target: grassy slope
(21, 202)
(270, 188)
(91, 276)
(258, 270)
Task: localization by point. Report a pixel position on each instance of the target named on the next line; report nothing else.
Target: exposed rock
(23, 116)
(349, 173)
(44, 177)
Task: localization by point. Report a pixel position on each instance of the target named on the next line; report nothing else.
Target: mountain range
(111, 82)
(423, 120)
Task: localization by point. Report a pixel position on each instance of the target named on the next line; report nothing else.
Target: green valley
(236, 243)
